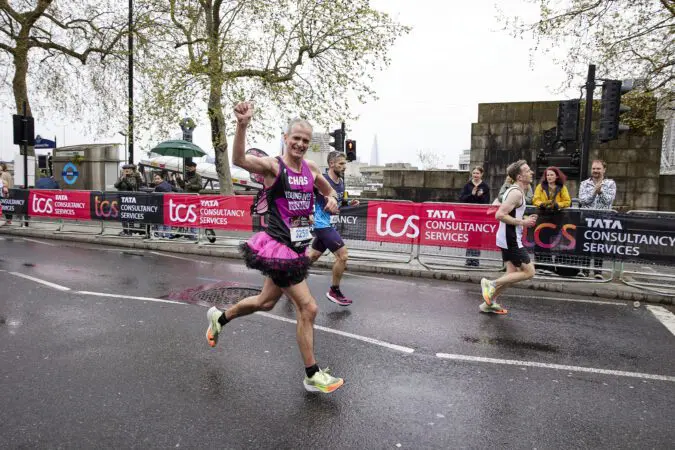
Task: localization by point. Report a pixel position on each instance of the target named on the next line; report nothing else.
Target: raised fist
(243, 112)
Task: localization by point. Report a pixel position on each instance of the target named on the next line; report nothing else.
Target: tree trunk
(19, 85)
(219, 139)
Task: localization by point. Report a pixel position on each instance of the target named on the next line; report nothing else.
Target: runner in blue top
(325, 235)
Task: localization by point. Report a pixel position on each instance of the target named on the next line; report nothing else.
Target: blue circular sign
(70, 173)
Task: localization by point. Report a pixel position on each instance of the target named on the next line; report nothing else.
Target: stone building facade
(506, 132)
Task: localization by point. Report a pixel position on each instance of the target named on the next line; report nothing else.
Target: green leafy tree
(625, 39)
(307, 56)
(45, 43)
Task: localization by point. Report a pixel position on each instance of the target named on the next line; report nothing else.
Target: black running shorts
(516, 256)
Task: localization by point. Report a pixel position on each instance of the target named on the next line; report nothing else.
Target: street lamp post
(131, 83)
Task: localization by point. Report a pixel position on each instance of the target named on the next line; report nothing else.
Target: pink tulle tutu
(282, 264)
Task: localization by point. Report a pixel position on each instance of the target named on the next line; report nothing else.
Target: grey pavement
(653, 284)
(104, 347)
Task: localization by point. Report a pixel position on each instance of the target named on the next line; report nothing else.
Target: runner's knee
(309, 310)
(266, 302)
(342, 255)
(528, 269)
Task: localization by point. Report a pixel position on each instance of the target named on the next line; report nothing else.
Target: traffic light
(339, 143)
(351, 150)
(611, 108)
(568, 120)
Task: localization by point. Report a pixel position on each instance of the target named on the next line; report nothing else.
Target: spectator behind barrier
(193, 181)
(192, 184)
(7, 184)
(47, 183)
(551, 192)
(507, 184)
(127, 182)
(475, 191)
(550, 196)
(162, 185)
(597, 192)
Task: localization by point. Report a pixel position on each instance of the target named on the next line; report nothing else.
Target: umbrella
(181, 149)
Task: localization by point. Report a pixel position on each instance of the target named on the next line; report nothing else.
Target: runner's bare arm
(324, 188)
(514, 200)
(266, 166)
(511, 202)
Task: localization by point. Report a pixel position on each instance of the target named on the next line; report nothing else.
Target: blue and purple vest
(291, 203)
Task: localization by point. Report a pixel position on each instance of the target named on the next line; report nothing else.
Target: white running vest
(511, 236)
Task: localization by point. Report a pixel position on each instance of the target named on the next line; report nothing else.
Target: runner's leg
(340, 265)
(306, 310)
(264, 301)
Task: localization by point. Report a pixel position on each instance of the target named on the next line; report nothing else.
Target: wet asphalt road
(79, 370)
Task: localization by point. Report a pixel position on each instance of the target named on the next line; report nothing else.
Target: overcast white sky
(455, 57)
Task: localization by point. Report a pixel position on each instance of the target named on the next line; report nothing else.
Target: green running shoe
(323, 381)
(488, 290)
(214, 328)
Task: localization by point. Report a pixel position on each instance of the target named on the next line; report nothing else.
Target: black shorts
(516, 256)
(327, 238)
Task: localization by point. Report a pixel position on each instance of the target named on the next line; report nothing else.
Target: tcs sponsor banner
(181, 210)
(127, 207)
(437, 224)
(16, 202)
(458, 225)
(225, 213)
(397, 222)
(627, 237)
(60, 204)
(555, 232)
(351, 223)
(208, 211)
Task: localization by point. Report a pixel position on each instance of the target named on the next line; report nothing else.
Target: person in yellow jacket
(551, 193)
(550, 196)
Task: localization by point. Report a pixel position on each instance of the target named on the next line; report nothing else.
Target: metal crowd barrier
(436, 257)
(655, 277)
(553, 265)
(659, 278)
(360, 250)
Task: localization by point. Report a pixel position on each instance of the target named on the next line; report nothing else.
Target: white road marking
(131, 297)
(180, 257)
(664, 316)
(209, 279)
(38, 280)
(651, 269)
(358, 337)
(39, 242)
(512, 362)
(560, 299)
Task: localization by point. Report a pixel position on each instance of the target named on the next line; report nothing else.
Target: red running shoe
(335, 296)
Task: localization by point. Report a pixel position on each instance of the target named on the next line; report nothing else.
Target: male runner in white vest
(510, 238)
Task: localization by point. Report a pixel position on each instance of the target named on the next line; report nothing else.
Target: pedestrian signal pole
(588, 119)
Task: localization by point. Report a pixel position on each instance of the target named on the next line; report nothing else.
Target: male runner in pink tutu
(279, 252)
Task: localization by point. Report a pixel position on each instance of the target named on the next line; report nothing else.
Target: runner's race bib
(299, 234)
(301, 229)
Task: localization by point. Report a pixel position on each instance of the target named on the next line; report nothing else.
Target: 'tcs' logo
(106, 208)
(42, 205)
(553, 239)
(175, 213)
(410, 223)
